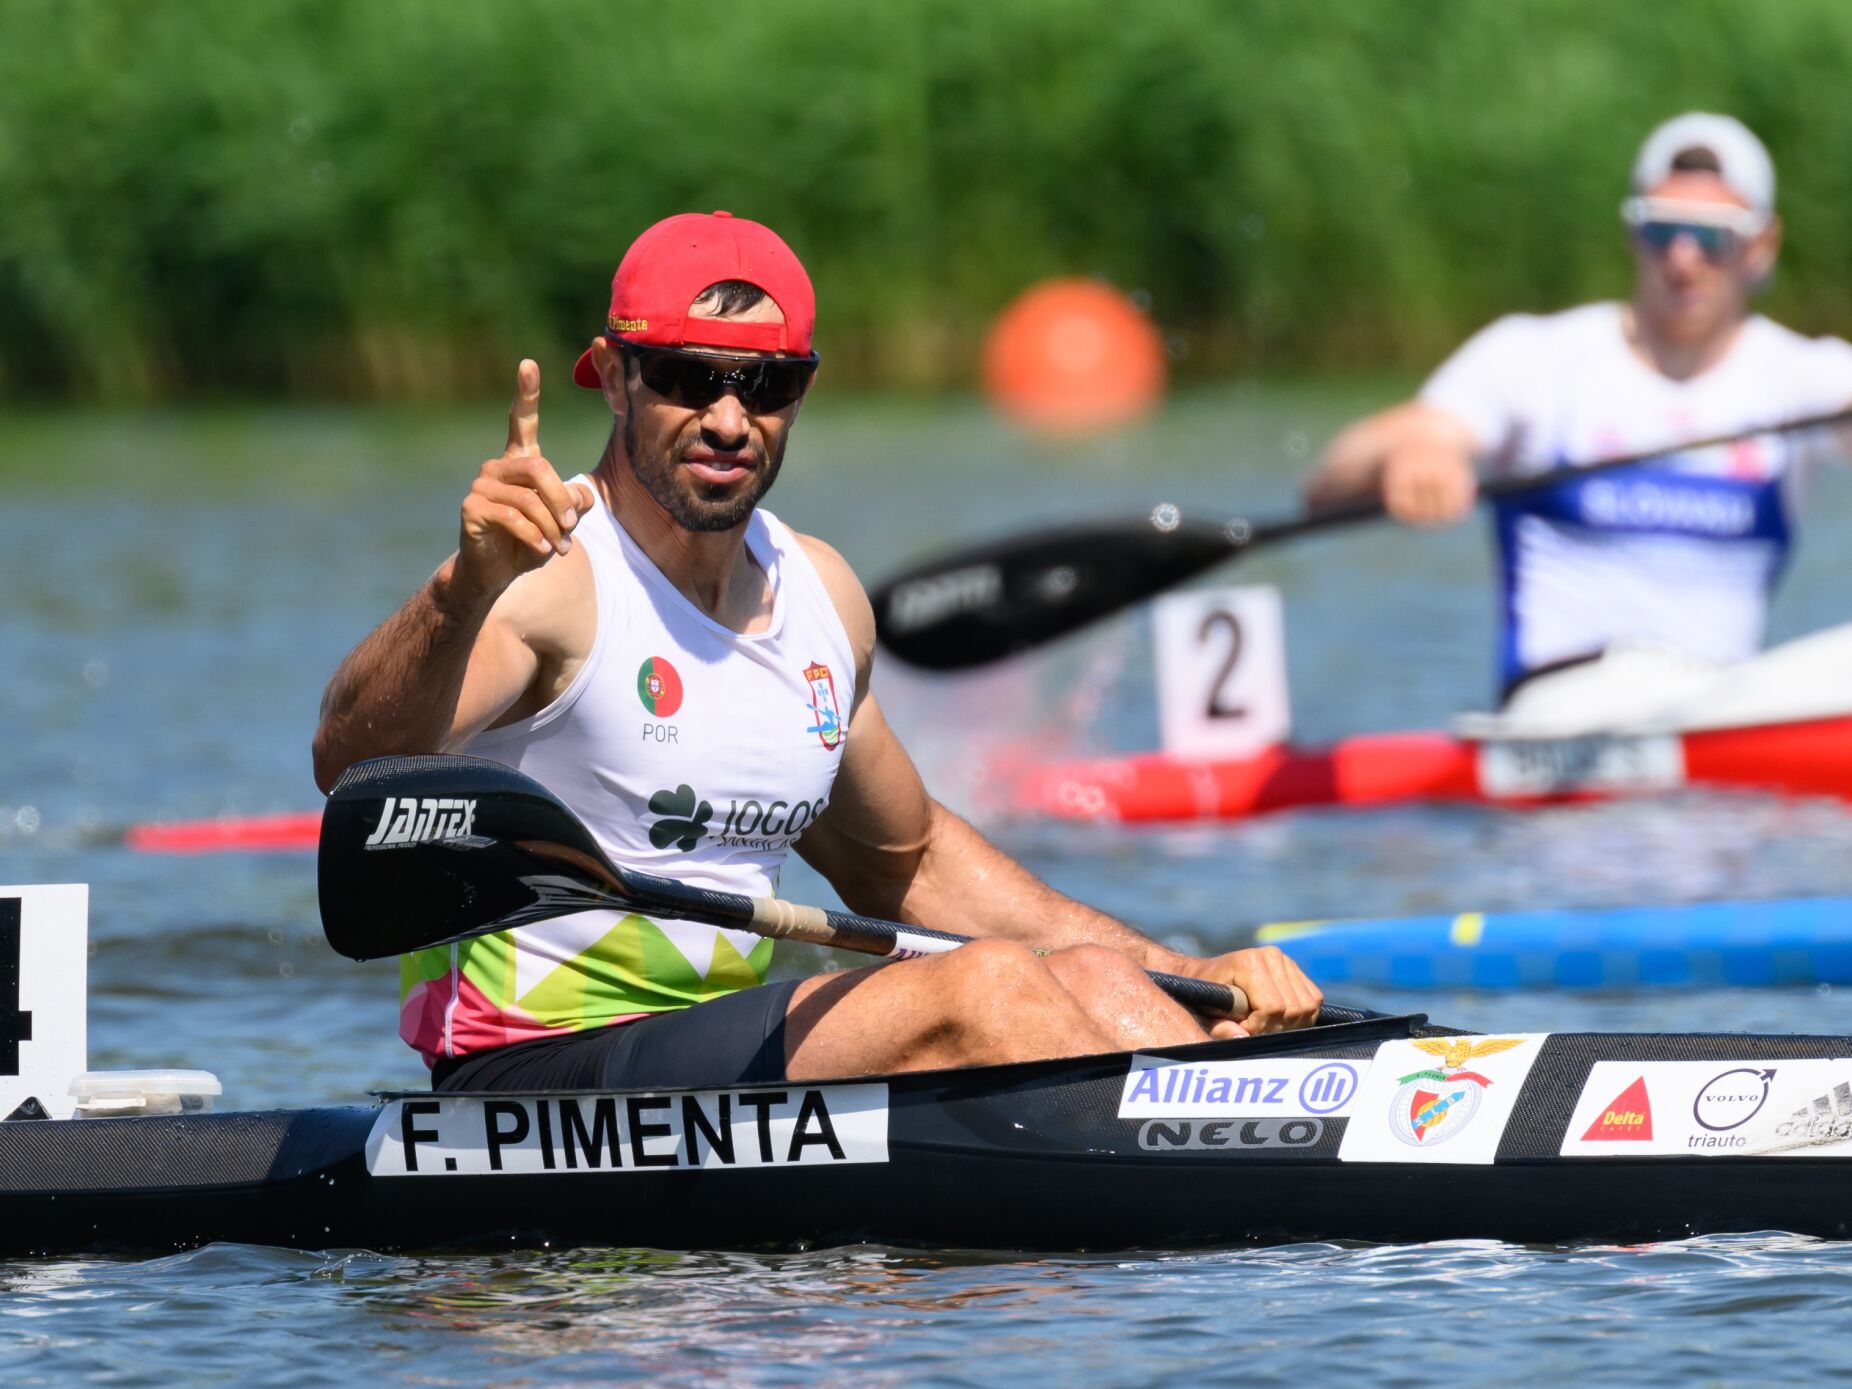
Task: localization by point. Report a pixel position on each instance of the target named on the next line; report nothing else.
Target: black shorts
(735, 1040)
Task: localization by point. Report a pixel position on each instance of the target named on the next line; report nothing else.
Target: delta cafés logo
(686, 818)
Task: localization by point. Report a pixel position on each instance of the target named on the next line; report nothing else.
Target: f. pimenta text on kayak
(482, 1135)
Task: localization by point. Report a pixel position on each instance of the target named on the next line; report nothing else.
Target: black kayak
(1374, 1130)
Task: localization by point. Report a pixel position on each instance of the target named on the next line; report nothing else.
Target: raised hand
(518, 514)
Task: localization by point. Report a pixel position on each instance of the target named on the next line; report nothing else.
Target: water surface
(179, 586)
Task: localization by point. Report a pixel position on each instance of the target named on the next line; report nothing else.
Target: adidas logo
(1825, 1119)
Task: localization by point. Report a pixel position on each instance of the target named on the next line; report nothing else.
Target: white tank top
(690, 751)
(1680, 554)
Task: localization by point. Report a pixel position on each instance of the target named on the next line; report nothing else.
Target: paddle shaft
(782, 920)
(1499, 488)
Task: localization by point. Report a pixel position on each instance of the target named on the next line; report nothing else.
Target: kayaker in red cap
(692, 678)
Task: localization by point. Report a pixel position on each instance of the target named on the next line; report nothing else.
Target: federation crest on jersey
(1433, 1105)
(825, 717)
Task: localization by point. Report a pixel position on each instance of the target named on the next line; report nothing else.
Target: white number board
(1221, 671)
(44, 960)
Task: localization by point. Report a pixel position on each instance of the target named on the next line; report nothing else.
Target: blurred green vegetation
(401, 197)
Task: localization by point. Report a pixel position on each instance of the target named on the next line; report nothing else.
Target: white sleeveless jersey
(1681, 553)
(690, 751)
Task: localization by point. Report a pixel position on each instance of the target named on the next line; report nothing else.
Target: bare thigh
(984, 1003)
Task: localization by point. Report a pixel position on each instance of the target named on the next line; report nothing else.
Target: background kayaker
(1681, 554)
(692, 678)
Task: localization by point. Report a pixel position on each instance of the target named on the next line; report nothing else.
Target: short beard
(663, 478)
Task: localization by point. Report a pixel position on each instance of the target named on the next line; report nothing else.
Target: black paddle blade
(419, 851)
(997, 599)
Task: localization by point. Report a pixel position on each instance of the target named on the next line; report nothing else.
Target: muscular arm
(430, 677)
(891, 850)
(492, 632)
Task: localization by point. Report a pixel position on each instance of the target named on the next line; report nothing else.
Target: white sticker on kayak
(1439, 1099)
(43, 963)
(1523, 767)
(1713, 1109)
(1295, 1087)
(489, 1135)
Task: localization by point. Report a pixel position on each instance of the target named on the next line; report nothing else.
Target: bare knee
(1120, 998)
(1000, 956)
(1096, 971)
(1000, 1001)
(993, 969)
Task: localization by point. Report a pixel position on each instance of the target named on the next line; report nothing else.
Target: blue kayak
(1703, 945)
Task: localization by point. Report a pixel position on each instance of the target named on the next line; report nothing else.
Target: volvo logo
(1730, 1100)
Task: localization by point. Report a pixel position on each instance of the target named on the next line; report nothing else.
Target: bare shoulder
(553, 609)
(846, 592)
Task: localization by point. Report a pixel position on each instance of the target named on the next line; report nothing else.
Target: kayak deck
(1365, 1131)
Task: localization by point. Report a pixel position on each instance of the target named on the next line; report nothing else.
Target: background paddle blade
(991, 601)
(419, 851)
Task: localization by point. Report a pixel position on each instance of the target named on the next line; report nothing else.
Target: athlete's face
(1688, 293)
(707, 466)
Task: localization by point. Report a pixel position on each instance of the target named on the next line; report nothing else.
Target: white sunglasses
(1717, 228)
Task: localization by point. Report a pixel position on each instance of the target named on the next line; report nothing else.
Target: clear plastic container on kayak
(114, 1094)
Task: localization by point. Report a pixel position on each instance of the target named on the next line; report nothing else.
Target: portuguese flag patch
(659, 686)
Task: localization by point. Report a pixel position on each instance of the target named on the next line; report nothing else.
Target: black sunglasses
(695, 381)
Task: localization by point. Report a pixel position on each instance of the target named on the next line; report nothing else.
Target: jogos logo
(687, 819)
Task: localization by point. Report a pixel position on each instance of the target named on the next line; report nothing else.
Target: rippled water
(1739, 1309)
(179, 587)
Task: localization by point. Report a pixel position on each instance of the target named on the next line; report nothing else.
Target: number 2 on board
(1221, 671)
(1217, 706)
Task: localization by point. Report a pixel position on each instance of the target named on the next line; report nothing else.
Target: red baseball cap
(666, 269)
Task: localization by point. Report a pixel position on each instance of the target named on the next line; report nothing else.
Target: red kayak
(1810, 757)
(1801, 758)
(289, 830)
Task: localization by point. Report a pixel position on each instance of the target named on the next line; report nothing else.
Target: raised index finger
(524, 412)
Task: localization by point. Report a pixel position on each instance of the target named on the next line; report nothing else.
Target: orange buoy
(1073, 356)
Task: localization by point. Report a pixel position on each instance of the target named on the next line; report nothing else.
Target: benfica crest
(1433, 1105)
(825, 717)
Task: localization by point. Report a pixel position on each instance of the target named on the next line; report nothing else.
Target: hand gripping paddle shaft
(422, 851)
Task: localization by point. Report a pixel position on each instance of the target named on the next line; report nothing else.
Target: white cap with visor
(1742, 159)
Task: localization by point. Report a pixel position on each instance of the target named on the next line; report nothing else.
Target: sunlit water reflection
(178, 589)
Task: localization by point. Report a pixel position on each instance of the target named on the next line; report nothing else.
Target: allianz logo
(1325, 1088)
(407, 820)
